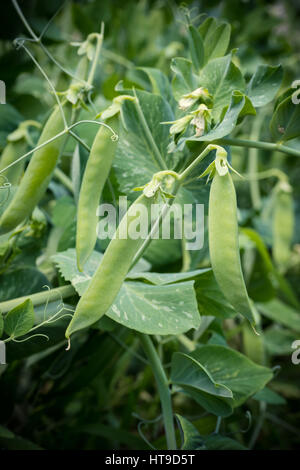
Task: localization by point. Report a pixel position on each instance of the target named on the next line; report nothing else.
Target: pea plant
(189, 127)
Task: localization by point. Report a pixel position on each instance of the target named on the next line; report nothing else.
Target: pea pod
(111, 272)
(16, 146)
(38, 173)
(283, 225)
(223, 244)
(94, 178)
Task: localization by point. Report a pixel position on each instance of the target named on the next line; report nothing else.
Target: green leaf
(169, 278)
(162, 310)
(221, 77)
(264, 84)
(10, 118)
(159, 82)
(216, 38)
(278, 341)
(269, 396)
(196, 47)
(233, 370)
(285, 121)
(186, 370)
(216, 405)
(21, 281)
(19, 320)
(184, 80)
(281, 313)
(218, 442)
(136, 159)
(191, 438)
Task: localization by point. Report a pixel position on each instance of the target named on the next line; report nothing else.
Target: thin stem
(40, 298)
(97, 54)
(163, 389)
(63, 178)
(253, 164)
(195, 162)
(151, 142)
(259, 424)
(259, 145)
(23, 19)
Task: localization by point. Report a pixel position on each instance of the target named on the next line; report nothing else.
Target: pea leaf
(141, 140)
(184, 80)
(264, 84)
(284, 125)
(218, 442)
(216, 38)
(269, 396)
(191, 438)
(20, 319)
(233, 370)
(278, 340)
(221, 77)
(281, 313)
(196, 47)
(21, 281)
(159, 82)
(164, 310)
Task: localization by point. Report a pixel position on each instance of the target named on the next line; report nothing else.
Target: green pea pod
(111, 272)
(283, 226)
(38, 173)
(224, 246)
(95, 175)
(11, 153)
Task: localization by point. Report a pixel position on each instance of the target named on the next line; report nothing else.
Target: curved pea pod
(224, 246)
(38, 173)
(96, 172)
(283, 225)
(11, 152)
(113, 268)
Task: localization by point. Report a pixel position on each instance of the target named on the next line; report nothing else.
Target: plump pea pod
(224, 246)
(38, 173)
(11, 153)
(283, 226)
(95, 175)
(111, 272)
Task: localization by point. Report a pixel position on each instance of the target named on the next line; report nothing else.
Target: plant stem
(64, 179)
(40, 298)
(163, 389)
(259, 145)
(194, 163)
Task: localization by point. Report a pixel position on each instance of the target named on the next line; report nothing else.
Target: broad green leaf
(184, 80)
(218, 406)
(269, 396)
(228, 123)
(143, 142)
(21, 281)
(234, 370)
(191, 439)
(264, 84)
(278, 341)
(221, 77)
(19, 320)
(216, 39)
(187, 371)
(196, 47)
(161, 310)
(67, 266)
(281, 313)
(168, 278)
(285, 121)
(218, 442)
(211, 300)
(159, 82)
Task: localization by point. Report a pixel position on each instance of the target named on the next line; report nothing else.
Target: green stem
(40, 298)
(253, 164)
(259, 145)
(194, 163)
(149, 136)
(64, 179)
(97, 54)
(163, 389)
